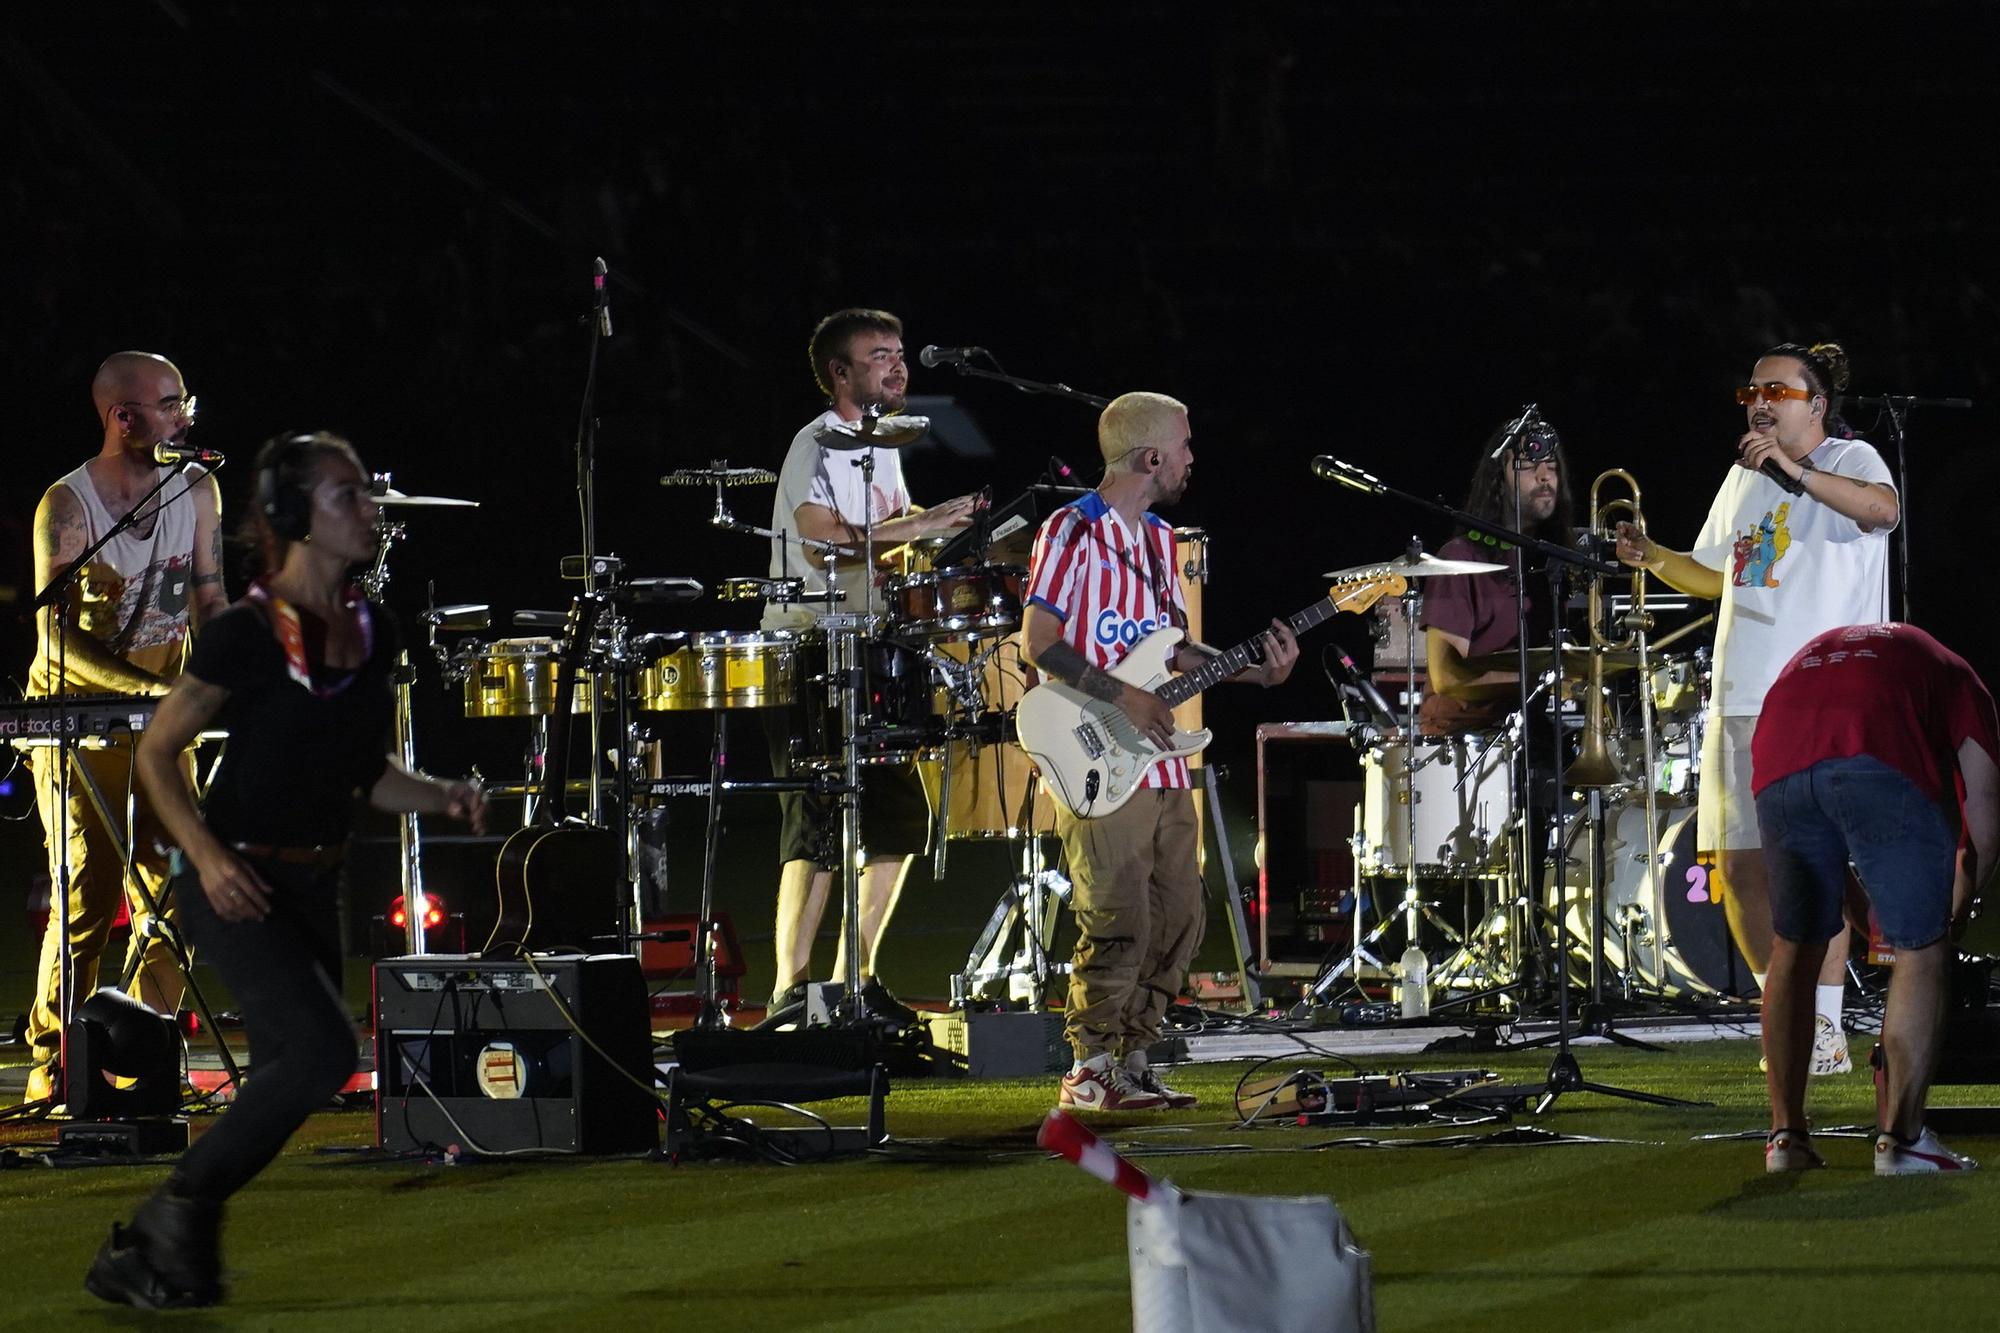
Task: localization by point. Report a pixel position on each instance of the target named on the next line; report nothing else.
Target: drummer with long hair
(299, 674)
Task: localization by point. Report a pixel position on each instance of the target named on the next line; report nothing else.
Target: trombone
(1595, 766)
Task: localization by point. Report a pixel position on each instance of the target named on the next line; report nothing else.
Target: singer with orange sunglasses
(1795, 544)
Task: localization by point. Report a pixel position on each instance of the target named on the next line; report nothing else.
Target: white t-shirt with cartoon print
(1791, 568)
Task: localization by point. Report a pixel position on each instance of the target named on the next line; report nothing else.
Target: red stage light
(434, 912)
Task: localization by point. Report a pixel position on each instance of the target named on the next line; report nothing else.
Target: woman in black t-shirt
(299, 674)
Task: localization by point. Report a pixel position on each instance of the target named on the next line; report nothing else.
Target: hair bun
(1834, 357)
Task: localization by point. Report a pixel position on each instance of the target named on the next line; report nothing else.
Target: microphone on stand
(948, 356)
(597, 275)
(166, 454)
(1376, 703)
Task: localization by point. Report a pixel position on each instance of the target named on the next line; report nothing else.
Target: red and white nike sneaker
(1095, 1086)
(1919, 1156)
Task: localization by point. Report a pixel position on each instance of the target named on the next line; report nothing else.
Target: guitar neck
(1224, 665)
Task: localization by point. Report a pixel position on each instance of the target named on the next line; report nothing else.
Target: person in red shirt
(1877, 746)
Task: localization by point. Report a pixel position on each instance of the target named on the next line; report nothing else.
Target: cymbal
(721, 474)
(1575, 661)
(460, 616)
(1425, 566)
(898, 432)
(394, 497)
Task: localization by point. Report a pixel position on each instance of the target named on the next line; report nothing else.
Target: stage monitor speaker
(490, 1056)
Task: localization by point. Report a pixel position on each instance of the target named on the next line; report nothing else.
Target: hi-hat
(898, 432)
(396, 498)
(721, 475)
(1424, 566)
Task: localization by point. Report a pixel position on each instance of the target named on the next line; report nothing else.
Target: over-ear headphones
(282, 485)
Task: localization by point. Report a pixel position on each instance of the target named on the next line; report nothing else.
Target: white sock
(1135, 1061)
(1097, 1063)
(1827, 1001)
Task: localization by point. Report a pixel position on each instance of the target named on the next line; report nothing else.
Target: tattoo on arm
(1066, 664)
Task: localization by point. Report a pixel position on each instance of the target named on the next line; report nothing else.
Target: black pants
(285, 974)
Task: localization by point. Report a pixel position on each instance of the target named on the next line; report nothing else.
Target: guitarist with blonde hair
(1102, 582)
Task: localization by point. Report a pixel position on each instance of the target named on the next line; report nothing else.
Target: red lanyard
(291, 637)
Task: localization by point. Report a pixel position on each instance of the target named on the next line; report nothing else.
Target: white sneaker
(1924, 1155)
(1790, 1150)
(1142, 1076)
(1095, 1086)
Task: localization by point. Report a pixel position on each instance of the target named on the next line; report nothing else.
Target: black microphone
(949, 356)
(1328, 468)
(1060, 469)
(597, 273)
(166, 453)
(1376, 702)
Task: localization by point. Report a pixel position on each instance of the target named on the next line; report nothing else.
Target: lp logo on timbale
(1705, 883)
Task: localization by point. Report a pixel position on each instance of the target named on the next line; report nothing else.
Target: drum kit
(1446, 820)
(924, 672)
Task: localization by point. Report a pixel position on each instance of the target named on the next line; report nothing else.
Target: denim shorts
(1857, 810)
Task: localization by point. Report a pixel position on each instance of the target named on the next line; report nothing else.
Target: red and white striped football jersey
(1110, 587)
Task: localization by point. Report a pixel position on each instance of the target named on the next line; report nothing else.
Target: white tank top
(133, 596)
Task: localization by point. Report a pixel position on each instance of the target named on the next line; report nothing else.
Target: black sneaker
(877, 1000)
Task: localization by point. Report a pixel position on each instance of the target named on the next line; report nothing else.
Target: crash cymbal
(397, 499)
(1425, 566)
(721, 474)
(1576, 660)
(897, 432)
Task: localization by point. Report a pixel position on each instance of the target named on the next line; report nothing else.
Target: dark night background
(1372, 229)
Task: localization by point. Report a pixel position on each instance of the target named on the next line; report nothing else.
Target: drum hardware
(1564, 1074)
(374, 581)
(720, 474)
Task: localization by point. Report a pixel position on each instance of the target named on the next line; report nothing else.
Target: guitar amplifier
(493, 1056)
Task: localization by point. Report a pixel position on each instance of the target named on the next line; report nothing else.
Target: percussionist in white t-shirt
(1796, 543)
(823, 494)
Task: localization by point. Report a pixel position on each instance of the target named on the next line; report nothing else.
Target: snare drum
(723, 671)
(1450, 800)
(956, 602)
(898, 701)
(517, 678)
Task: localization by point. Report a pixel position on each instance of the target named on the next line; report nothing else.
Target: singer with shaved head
(128, 617)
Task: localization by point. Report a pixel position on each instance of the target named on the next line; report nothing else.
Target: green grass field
(963, 1225)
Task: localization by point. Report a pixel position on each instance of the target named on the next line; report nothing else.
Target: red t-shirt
(1888, 691)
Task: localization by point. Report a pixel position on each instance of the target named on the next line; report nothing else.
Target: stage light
(434, 912)
(115, 1037)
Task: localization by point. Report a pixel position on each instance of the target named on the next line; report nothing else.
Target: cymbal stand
(409, 859)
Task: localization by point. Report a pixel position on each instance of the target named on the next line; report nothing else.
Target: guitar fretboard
(1224, 665)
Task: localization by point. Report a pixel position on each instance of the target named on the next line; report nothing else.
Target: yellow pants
(97, 881)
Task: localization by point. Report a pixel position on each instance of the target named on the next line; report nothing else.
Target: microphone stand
(599, 319)
(1564, 1075)
(1898, 406)
(1031, 386)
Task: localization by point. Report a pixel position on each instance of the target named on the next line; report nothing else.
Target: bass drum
(1675, 933)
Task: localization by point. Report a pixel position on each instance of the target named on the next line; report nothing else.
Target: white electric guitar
(1091, 755)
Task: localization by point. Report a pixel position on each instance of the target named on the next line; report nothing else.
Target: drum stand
(1031, 902)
